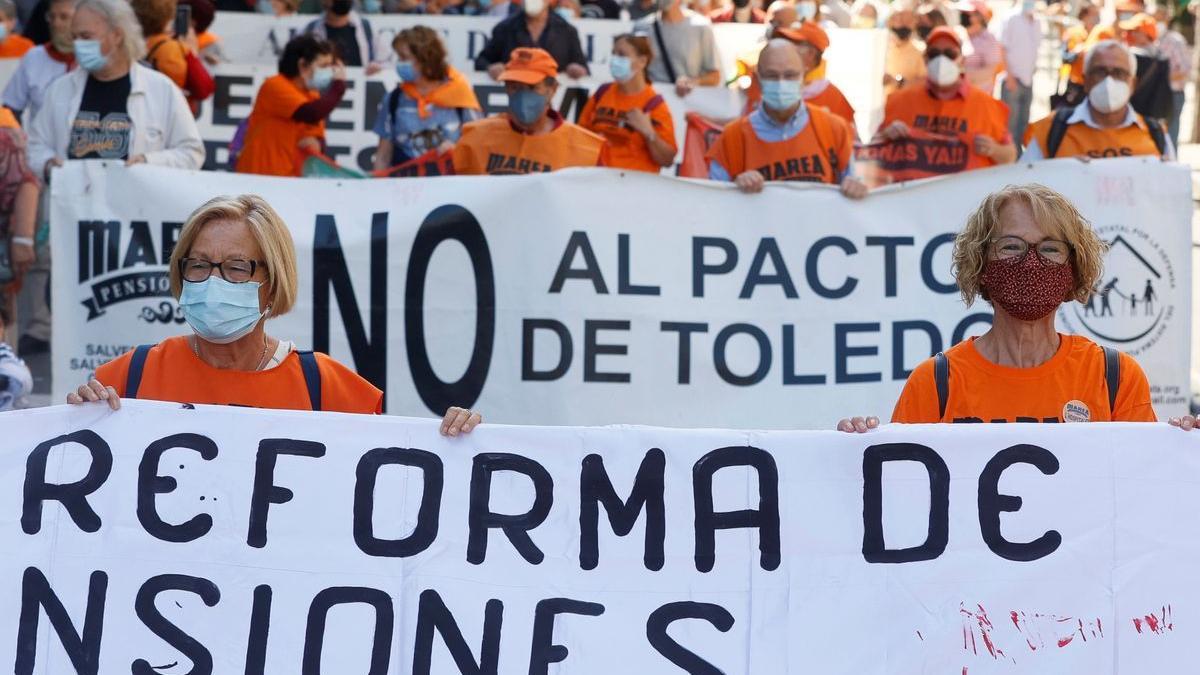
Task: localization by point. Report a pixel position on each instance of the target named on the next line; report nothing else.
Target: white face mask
(1109, 96)
(943, 72)
(534, 7)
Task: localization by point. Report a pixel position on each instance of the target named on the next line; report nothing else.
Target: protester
(629, 113)
(986, 56)
(685, 48)
(428, 108)
(208, 44)
(531, 137)
(112, 107)
(287, 123)
(351, 34)
(785, 139)
(904, 65)
(779, 14)
(1021, 36)
(19, 190)
(810, 11)
(175, 56)
(868, 14)
(812, 41)
(234, 267)
(1175, 48)
(535, 27)
(948, 106)
(1025, 250)
(16, 382)
(740, 11)
(43, 64)
(929, 17)
(1105, 125)
(12, 44)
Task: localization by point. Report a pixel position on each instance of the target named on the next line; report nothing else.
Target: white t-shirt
(27, 88)
(284, 348)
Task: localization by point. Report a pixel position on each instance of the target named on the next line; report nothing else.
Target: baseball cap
(944, 32)
(1143, 23)
(804, 31)
(529, 65)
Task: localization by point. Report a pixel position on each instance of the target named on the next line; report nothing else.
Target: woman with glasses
(1026, 250)
(233, 268)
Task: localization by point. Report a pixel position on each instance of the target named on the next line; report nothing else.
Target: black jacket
(559, 38)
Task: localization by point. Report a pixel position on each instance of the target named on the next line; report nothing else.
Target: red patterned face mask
(1028, 288)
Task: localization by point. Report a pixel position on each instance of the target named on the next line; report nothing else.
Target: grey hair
(8, 8)
(119, 16)
(1109, 44)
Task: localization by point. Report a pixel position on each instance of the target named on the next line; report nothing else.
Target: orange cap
(529, 65)
(1143, 23)
(805, 31)
(944, 32)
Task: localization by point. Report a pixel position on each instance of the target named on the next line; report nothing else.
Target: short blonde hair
(1052, 211)
(268, 230)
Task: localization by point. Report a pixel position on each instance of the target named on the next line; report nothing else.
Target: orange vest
(967, 114)
(492, 146)
(833, 100)
(1081, 140)
(820, 153)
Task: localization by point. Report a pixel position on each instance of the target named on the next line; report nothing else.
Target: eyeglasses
(1100, 72)
(234, 271)
(931, 54)
(1051, 251)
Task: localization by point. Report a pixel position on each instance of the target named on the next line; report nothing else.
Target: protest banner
(224, 540)
(597, 296)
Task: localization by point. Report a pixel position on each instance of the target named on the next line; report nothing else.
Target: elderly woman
(1026, 250)
(112, 107)
(427, 109)
(234, 267)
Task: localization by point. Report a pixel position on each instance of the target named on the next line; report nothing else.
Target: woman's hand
(858, 425)
(94, 391)
(460, 419)
(639, 121)
(1187, 422)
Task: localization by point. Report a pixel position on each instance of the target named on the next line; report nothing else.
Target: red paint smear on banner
(1063, 642)
(1137, 625)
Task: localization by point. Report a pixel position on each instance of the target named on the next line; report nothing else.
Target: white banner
(595, 296)
(209, 539)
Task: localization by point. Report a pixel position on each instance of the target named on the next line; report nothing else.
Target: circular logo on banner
(1076, 411)
(1134, 301)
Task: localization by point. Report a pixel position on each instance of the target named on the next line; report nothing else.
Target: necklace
(262, 360)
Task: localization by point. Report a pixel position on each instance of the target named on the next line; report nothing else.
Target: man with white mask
(538, 26)
(1104, 125)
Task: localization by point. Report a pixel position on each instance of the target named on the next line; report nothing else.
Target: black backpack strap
(394, 104)
(662, 50)
(653, 103)
(137, 364)
(1156, 133)
(600, 92)
(1058, 129)
(1112, 375)
(941, 381)
(312, 377)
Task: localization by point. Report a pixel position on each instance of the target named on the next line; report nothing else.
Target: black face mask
(741, 4)
(966, 20)
(924, 31)
(341, 7)
(903, 32)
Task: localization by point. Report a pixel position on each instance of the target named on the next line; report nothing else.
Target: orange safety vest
(1081, 140)
(820, 153)
(492, 146)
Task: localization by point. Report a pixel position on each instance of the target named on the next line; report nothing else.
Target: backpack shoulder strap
(312, 377)
(1156, 134)
(137, 364)
(1112, 375)
(1058, 129)
(941, 381)
(662, 50)
(653, 103)
(394, 103)
(600, 92)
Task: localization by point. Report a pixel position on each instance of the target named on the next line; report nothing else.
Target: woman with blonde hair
(233, 268)
(1026, 250)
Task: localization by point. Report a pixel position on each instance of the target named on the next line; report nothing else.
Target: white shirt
(163, 128)
(27, 88)
(1083, 115)
(1021, 35)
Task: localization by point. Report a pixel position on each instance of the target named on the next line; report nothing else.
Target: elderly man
(1104, 125)
(536, 26)
(785, 139)
(531, 137)
(948, 106)
(812, 41)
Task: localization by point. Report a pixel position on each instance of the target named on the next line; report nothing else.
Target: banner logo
(126, 263)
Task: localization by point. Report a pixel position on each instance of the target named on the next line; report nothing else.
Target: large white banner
(215, 540)
(596, 296)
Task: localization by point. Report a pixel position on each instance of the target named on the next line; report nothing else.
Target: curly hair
(1053, 212)
(153, 15)
(427, 48)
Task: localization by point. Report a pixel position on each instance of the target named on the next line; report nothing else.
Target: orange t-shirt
(969, 113)
(982, 391)
(173, 372)
(1081, 140)
(15, 46)
(820, 153)
(493, 147)
(832, 99)
(7, 119)
(169, 57)
(271, 146)
(627, 149)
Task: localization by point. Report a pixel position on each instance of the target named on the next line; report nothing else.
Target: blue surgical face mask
(372, 6)
(3, 32)
(88, 55)
(221, 311)
(781, 94)
(265, 7)
(407, 71)
(1028, 6)
(321, 79)
(565, 13)
(806, 10)
(621, 68)
(526, 106)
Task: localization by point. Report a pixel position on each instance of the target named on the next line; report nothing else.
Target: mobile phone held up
(183, 20)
